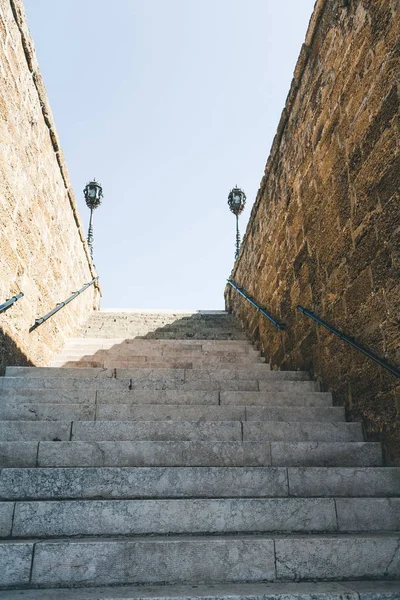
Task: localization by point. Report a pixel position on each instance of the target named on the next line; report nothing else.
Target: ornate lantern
(236, 203)
(93, 193)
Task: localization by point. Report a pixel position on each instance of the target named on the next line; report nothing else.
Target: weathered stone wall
(42, 245)
(325, 227)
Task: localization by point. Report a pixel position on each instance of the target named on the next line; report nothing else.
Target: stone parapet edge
(18, 11)
(300, 67)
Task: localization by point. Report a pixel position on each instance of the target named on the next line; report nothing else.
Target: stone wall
(325, 227)
(43, 252)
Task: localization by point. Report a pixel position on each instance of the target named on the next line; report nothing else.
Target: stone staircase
(160, 458)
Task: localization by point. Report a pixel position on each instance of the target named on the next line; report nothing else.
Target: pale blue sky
(169, 104)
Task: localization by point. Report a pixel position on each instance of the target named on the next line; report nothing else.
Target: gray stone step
(351, 590)
(164, 346)
(302, 431)
(180, 430)
(157, 430)
(124, 412)
(183, 453)
(142, 482)
(82, 384)
(292, 396)
(315, 481)
(191, 482)
(216, 559)
(260, 372)
(197, 516)
(154, 363)
(47, 412)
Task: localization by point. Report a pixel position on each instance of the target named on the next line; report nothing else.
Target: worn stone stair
(138, 460)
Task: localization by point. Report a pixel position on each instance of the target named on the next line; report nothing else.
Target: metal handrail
(257, 306)
(10, 302)
(61, 305)
(351, 341)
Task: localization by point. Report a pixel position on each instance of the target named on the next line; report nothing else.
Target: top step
(217, 325)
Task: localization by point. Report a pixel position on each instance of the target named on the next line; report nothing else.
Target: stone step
(260, 372)
(292, 396)
(180, 430)
(191, 482)
(83, 383)
(302, 431)
(157, 362)
(163, 346)
(65, 518)
(193, 560)
(125, 412)
(189, 454)
(14, 411)
(169, 334)
(351, 590)
(152, 364)
(255, 401)
(127, 351)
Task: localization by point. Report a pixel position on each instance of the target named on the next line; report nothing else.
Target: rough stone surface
(15, 561)
(302, 432)
(194, 516)
(169, 454)
(326, 454)
(356, 590)
(289, 398)
(156, 430)
(26, 431)
(6, 517)
(154, 561)
(43, 252)
(324, 229)
(344, 557)
(368, 514)
(142, 482)
(367, 481)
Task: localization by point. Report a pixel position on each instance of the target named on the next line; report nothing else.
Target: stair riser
(140, 517)
(351, 590)
(154, 561)
(178, 363)
(179, 431)
(260, 372)
(92, 384)
(175, 454)
(196, 482)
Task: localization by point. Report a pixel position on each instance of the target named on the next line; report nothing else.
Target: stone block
(169, 397)
(368, 514)
(141, 482)
(151, 374)
(6, 518)
(96, 373)
(191, 516)
(299, 387)
(296, 413)
(15, 561)
(326, 454)
(288, 398)
(260, 372)
(281, 431)
(367, 481)
(47, 412)
(26, 431)
(158, 454)
(156, 430)
(18, 454)
(126, 412)
(338, 557)
(141, 560)
(51, 396)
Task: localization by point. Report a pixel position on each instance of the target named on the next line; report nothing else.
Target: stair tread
(354, 590)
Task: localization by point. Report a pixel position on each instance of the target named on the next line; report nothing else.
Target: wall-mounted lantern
(93, 193)
(236, 203)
